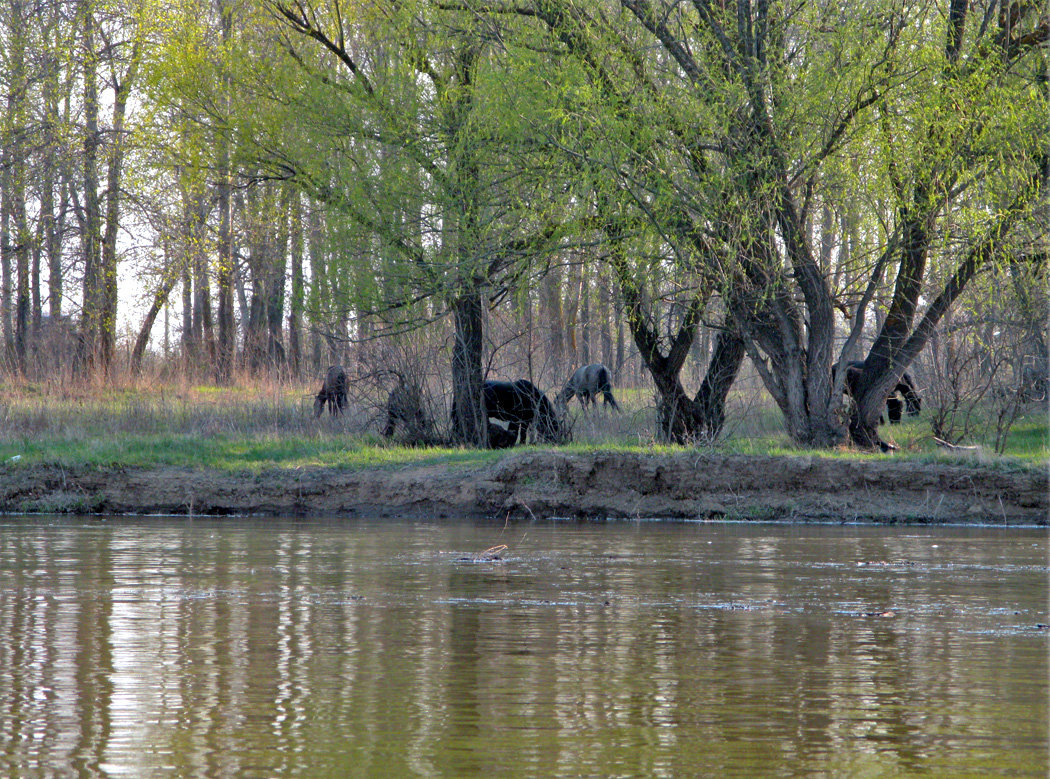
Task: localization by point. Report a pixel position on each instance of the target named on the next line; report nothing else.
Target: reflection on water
(190, 648)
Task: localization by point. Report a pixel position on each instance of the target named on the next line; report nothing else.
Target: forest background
(720, 201)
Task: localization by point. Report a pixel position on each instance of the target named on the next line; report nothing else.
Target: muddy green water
(167, 647)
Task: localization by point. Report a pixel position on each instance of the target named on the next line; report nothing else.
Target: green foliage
(399, 121)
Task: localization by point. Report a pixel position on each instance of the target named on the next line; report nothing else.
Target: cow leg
(894, 407)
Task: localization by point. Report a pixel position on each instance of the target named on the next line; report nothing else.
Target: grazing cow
(500, 437)
(520, 404)
(585, 384)
(332, 393)
(894, 405)
(404, 405)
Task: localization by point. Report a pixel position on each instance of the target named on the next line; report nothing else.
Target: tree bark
(224, 275)
(189, 343)
(471, 421)
(6, 255)
(295, 304)
(276, 273)
(17, 118)
(93, 304)
(160, 298)
(585, 315)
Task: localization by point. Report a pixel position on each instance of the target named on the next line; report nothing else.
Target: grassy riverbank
(259, 450)
(272, 426)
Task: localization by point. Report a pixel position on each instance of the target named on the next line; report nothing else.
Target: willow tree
(726, 126)
(606, 117)
(962, 158)
(402, 129)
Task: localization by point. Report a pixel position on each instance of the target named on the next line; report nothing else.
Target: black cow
(909, 396)
(520, 404)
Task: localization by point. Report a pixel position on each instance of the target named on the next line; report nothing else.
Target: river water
(166, 647)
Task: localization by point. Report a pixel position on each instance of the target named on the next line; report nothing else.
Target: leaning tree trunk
(710, 402)
(898, 342)
(170, 277)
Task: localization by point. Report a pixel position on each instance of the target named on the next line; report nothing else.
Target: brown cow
(333, 392)
(404, 404)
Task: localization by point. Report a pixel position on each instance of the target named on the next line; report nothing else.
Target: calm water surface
(275, 648)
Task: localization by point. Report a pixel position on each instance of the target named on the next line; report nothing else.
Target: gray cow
(586, 383)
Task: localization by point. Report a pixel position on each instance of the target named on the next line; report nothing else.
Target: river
(259, 648)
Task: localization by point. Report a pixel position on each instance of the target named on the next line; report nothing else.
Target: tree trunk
(621, 349)
(63, 186)
(203, 326)
(35, 302)
(17, 117)
(189, 343)
(52, 183)
(605, 316)
(224, 284)
(685, 420)
(51, 242)
(899, 342)
(6, 255)
(318, 279)
(553, 314)
(585, 316)
(682, 420)
(295, 304)
(471, 421)
(91, 228)
(710, 402)
(571, 308)
(160, 299)
(275, 284)
(21, 249)
(225, 271)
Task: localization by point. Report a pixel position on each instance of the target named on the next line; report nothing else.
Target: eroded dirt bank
(545, 484)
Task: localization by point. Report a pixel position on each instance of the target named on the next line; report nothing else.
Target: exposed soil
(545, 484)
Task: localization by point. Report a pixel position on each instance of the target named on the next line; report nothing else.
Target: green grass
(234, 453)
(255, 428)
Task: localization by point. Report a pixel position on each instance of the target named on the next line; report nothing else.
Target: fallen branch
(955, 447)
